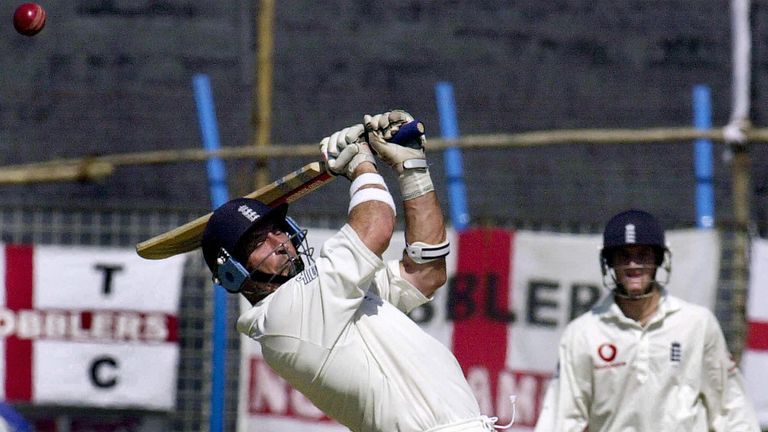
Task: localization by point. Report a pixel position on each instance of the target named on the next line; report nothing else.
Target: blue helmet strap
(230, 274)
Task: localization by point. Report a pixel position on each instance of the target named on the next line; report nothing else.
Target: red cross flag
(88, 327)
(755, 360)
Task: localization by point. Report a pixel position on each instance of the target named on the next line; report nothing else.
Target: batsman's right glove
(344, 150)
(407, 159)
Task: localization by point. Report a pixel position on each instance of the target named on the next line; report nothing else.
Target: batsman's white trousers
(480, 424)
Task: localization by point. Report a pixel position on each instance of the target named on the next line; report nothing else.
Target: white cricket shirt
(673, 375)
(339, 334)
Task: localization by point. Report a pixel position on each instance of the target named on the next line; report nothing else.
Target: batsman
(335, 327)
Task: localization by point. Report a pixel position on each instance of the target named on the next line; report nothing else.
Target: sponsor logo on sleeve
(307, 275)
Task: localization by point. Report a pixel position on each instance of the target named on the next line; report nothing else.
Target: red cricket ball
(29, 19)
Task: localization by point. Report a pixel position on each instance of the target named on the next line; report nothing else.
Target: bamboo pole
(261, 115)
(83, 171)
(741, 197)
(491, 141)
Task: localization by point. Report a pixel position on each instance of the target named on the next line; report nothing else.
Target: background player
(337, 329)
(642, 359)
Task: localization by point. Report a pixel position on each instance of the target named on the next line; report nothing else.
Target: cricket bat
(286, 189)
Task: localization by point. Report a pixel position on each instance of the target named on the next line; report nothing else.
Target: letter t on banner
(454, 170)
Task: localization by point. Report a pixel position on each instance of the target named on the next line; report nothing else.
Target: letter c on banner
(103, 379)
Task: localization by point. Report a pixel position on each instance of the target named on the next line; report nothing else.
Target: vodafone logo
(607, 352)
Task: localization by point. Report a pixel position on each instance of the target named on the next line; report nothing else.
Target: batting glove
(407, 159)
(344, 150)
(381, 128)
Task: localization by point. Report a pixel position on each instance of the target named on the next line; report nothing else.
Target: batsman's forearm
(424, 222)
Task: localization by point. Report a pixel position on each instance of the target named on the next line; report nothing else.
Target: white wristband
(415, 183)
(422, 253)
(366, 179)
(371, 194)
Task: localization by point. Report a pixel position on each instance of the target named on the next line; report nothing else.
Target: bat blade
(286, 189)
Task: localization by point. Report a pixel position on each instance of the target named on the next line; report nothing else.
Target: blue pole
(217, 182)
(703, 166)
(454, 170)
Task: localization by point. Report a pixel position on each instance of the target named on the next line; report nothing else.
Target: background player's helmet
(230, 224)
(634, 227)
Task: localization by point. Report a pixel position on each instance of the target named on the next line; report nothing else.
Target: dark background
(115, 76)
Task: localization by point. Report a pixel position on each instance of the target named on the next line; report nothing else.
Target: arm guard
(422, 253)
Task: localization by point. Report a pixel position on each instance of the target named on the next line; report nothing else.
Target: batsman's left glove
(381, 128)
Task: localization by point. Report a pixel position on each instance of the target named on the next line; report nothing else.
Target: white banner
(755, 359)
(85, 326)
(539, 281)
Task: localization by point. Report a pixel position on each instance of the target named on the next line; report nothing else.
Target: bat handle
(409, 134)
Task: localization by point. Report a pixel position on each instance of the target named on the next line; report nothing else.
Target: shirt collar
(608, 308)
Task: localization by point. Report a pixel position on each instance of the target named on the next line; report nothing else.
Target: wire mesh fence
(120, 228)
